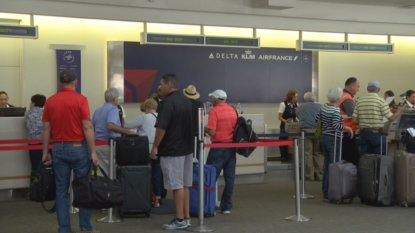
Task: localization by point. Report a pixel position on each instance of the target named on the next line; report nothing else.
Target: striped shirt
(332, 121)
(222, 119)
(370, 110)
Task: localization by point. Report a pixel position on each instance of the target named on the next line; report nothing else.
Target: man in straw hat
(191, 93)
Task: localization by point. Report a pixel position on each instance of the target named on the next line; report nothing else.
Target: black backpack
(409, 142)
(243, 134)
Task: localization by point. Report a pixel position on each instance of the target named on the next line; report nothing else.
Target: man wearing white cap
(220, 127)
(369, 113)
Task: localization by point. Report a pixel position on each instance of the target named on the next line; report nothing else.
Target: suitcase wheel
(148, 214)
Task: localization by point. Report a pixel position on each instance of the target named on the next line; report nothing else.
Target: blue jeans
(67, 157)
(370, 142)
(156, 176)
(327, 144)
(224, 158)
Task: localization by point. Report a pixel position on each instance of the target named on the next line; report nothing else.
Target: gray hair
(309, 97)
(334, 94)
(110, 94)
(372, 89)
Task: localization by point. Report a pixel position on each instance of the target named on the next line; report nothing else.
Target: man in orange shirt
(220, 127)
(350, 151)
(66, 115)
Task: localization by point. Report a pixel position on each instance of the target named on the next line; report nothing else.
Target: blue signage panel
(69, 60)
(247, 75)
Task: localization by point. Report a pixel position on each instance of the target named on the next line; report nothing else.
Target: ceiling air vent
(274, 4)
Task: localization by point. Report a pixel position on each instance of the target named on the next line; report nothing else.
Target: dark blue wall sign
(247, 75)
(69, 60)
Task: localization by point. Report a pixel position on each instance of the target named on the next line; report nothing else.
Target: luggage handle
(95, 172)
(335, 146)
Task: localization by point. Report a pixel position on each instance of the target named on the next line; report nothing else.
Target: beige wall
(29, 66)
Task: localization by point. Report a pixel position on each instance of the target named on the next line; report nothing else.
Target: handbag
(319, 128)
(42, 186)
(92, 191)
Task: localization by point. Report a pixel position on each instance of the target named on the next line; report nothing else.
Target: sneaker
(227, 212)
(326, 200)
(176, 225)
(189, 221)
(154, 201)
(91, 231)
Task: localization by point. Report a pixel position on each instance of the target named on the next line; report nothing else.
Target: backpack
(243, 134)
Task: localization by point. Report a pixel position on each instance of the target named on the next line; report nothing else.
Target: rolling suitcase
(209, 191)
(376, 179)
(136, 184)
(342, 178)
(131, 150)
(404, 174)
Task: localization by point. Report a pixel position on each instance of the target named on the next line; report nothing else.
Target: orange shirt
(222, 119)
(65, 111)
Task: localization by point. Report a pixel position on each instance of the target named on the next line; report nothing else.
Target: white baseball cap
(219, 94)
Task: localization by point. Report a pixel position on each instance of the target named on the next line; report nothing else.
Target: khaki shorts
(177, 171)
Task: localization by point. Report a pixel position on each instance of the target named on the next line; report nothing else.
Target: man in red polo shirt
(66, 115)
(220, 127)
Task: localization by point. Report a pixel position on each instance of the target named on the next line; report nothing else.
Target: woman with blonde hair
(145, 127)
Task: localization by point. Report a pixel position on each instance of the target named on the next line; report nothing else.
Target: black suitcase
(131, 150)
(376, 179)
(136, 184)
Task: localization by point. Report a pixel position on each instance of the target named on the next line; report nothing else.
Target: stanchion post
(72, 210)
(201, 227)
(110, 218)
(265, 150)
(304, 195)
(297, 217)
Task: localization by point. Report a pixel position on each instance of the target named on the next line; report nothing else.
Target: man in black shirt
(173, 143)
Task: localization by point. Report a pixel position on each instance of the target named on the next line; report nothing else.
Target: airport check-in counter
(397, 128)
(255, 163)
(15, 164)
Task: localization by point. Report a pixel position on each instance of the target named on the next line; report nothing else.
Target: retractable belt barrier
(36, 144)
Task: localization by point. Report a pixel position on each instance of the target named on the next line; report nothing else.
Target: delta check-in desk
(255, 163)
(15, 164)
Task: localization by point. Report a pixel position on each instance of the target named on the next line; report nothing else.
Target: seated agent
(220, 127)
(4, 99)
(107, 124)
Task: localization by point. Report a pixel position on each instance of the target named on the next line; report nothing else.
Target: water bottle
(239, 108)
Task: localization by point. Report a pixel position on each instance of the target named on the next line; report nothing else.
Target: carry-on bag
(131, 150)
(42, 186)
(376, 179)
(136, 185)
(92, 191)
(404, 174)
(342, 177)
(209, 191)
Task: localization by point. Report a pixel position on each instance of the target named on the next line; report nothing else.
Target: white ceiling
(391, 3)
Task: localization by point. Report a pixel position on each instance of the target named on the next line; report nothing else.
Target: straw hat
(191, 92)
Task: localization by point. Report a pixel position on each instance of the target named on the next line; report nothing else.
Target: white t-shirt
(281, 109)
(145, 126)
(123, 112)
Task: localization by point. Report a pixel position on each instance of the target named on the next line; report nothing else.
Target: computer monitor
(12, 112)
(407, 121)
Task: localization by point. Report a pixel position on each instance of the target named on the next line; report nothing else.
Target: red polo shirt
(65, 111)
(222, 119)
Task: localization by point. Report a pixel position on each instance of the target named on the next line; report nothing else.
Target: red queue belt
(32, 147)
(261, 142)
